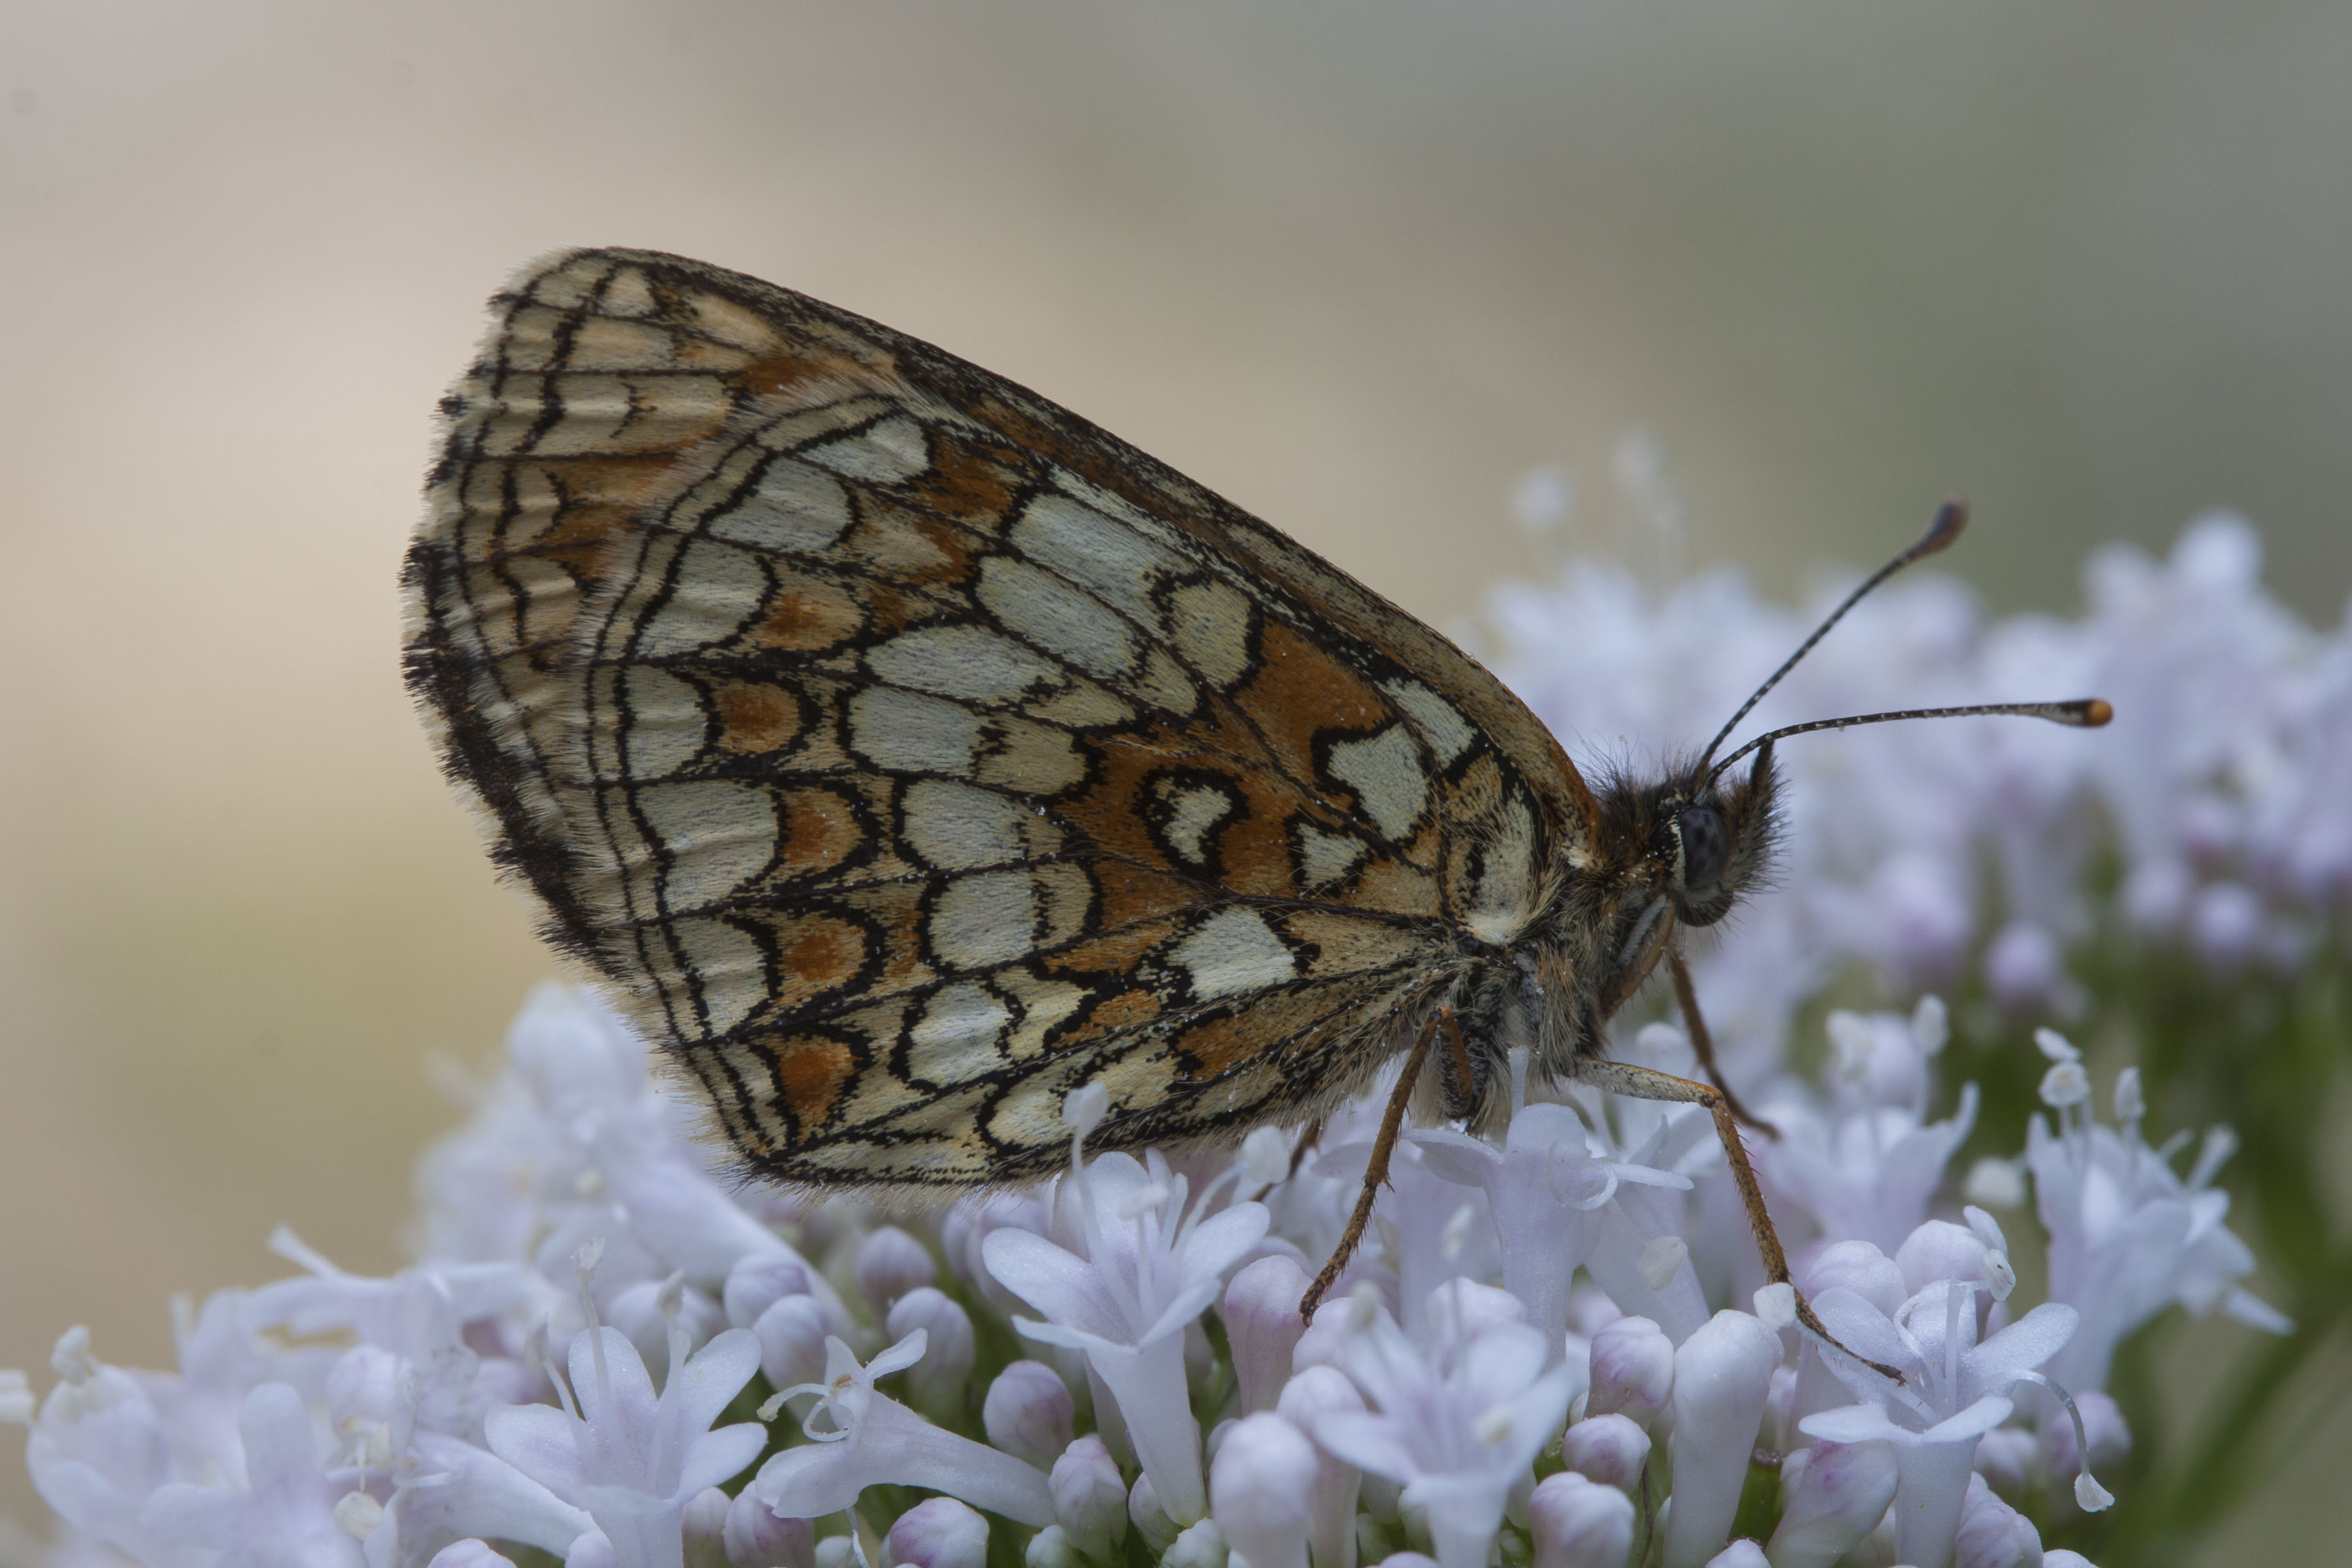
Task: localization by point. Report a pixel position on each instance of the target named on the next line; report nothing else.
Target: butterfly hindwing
(907, 752)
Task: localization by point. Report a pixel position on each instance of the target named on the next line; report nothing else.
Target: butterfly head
(1688, 844)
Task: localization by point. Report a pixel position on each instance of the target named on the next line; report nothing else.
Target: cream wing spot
(1325, 858)
(726, 968)
(715, 591)
(971, 663)
(884, 453)
(981, 921)
(905, 731)
(959, 829)
(1233, 951)
(793, 508)
(1210, 624)
(718, 833)
(959, 1036)
(666, 725)
(628, 294)
(1106, 557)
(1440, 722)
(1063, 620)
(1385, 773)
(1187, 813)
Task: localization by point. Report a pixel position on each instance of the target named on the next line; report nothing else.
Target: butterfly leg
(1376, 1174)
(1648, 1083)
(1307, 1139)
(1686, 997)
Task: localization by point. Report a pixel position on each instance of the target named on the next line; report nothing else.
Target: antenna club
(2097, 712)
(1950, 519)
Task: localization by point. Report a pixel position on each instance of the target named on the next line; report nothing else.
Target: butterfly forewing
(908, 752)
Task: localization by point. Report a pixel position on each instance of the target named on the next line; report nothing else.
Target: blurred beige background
(1357, 266)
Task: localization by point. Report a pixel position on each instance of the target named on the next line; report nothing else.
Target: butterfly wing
(907, 751)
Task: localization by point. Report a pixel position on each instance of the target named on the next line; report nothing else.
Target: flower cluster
(1557, 1345)
(2223, 790)
(1524, 1358)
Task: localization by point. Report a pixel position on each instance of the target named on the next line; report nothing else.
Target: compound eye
(1706, 847)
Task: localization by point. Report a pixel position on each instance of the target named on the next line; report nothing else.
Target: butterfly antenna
(2082, 713)
(1950, 518)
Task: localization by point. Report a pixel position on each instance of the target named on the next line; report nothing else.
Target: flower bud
(2006, 1458)
(1150, 1519)
(1940, 1250)
(756, 1538)
(1723, 1373)
(758, 1281)
(1843, 1490)
(1408, 1560)
(642, 1313)
(792, 1342)
(363, 1388)
(1263, 1324)
(2059, 1557)
(1090, 1500)
(890, 1264)
(1580, 1523)
(1611, 1450)
(470, 1554)
(1632, 1371)
(1051, 1548)
(704, 1527)
(1992, 1534)
(593, 1550)
(1029, 1413)
(938, 1532)
(1262, 1490)
(1861, 1268)
(1200, 1545)
(1742, 1553)
(1318, 1391)
(936, 1381)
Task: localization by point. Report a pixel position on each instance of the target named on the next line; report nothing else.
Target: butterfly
(903, 752)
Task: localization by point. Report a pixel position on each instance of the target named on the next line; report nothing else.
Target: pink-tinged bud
(1150, 1519)
(1263, 1323)
(1742, 1553)
(1861, 1268)
(1198, 1545)
(1051, 1548)
(936, 1381)
(1262, 1490)
(1994, 1534)
(1578, 1524)
(1331, 1532)
(1029, 1413)
(642, 1313)
(758, 1281)
(1940, 1250)
(792, 1342)
(1611, 1450)
(2006, 1458)
(1842, 1492)
(1090, 1501)
(1723, 1373)
(705, 1528)
(890, 1264)
(938, 1532)
(470, 1554)
(1632, 1371)
(756, 1538)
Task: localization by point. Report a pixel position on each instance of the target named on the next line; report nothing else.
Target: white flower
(1866, 1170)
(1542, 1186)
(1953, 1390)
(2128, 1237)
(870, 1439)
(1138, 1270)
(1262, 1490)
(1457, 1426)
(631, 1460)
(1722, 1375)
